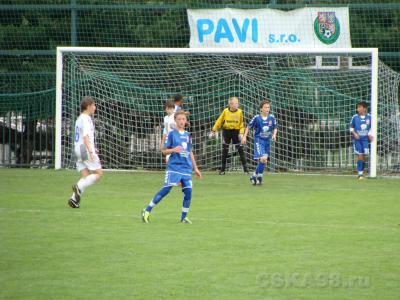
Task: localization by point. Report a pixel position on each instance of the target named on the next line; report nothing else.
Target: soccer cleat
(221, 172)
(360, 177)
(145, 216)
(253, 180)
(186, 221)
(77, 192)
(259, 180)
(73, 204)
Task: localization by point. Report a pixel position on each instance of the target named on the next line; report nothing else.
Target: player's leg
(171, 179)
(359, 151)
(361, 157)
(239, 148)
(225, 149)
(75, 198)
(261, 167)
(187, 198)
(158, 197)
(92, 173)
(257, 154)
(261, 152)
(79, 187)
(263, 161)
(89, 179)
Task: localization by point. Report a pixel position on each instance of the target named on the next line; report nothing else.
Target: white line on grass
(239, 173)
(224, 220)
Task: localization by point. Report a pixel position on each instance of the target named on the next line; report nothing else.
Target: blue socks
(186, 201)
(260, 168)
(187, 198)
(360, 166)
(158, 197)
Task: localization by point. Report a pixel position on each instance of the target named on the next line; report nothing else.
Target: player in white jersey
(87, 160)
(171, 107)
(169, 123)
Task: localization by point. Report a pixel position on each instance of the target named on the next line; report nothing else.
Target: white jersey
(169, 124)
(83, 127)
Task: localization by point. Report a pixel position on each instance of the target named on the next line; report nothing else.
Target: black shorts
(231, 135)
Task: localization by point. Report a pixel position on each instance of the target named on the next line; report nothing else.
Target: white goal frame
(374, 78)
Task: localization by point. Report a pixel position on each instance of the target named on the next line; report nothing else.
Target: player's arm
(274, 133)
(195, 168)
(275, 130)
(352, 129)
(86, 140)
(167, 146)
(370, 136)
(218, 123)
(164, 136)
(166, 151)
(355, 134)
(89, 147)
(246, 132)
(241, 126)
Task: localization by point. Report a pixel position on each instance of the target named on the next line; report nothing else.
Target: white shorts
(83, 161)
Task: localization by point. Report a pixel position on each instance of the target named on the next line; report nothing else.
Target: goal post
(374, 110)
(132, 85)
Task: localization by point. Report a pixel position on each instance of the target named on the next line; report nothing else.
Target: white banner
(270, 28)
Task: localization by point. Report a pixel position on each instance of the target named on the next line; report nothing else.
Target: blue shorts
(361, 146)
(174, 178)
(261, 148)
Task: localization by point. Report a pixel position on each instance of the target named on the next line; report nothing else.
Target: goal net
(313, 95)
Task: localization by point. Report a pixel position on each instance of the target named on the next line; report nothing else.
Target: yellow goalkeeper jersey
(230, 120)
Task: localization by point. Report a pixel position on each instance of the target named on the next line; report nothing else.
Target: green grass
(296, 237)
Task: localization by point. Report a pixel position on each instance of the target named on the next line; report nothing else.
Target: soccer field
(295, 237)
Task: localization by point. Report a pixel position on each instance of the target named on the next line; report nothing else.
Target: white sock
(83, 183)
(73, 197)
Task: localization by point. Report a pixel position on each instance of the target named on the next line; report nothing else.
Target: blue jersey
(361, 125)
(263, 126)
(179, 162)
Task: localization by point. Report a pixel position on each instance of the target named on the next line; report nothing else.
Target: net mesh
(30, 31)
(313, 98)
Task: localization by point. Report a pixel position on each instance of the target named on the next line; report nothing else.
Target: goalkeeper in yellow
(231, 121)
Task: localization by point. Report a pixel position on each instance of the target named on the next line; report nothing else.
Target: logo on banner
(327, 27)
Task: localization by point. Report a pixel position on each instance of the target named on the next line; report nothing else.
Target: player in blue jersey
(179, 167)
(360, 128)
(265, 129)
